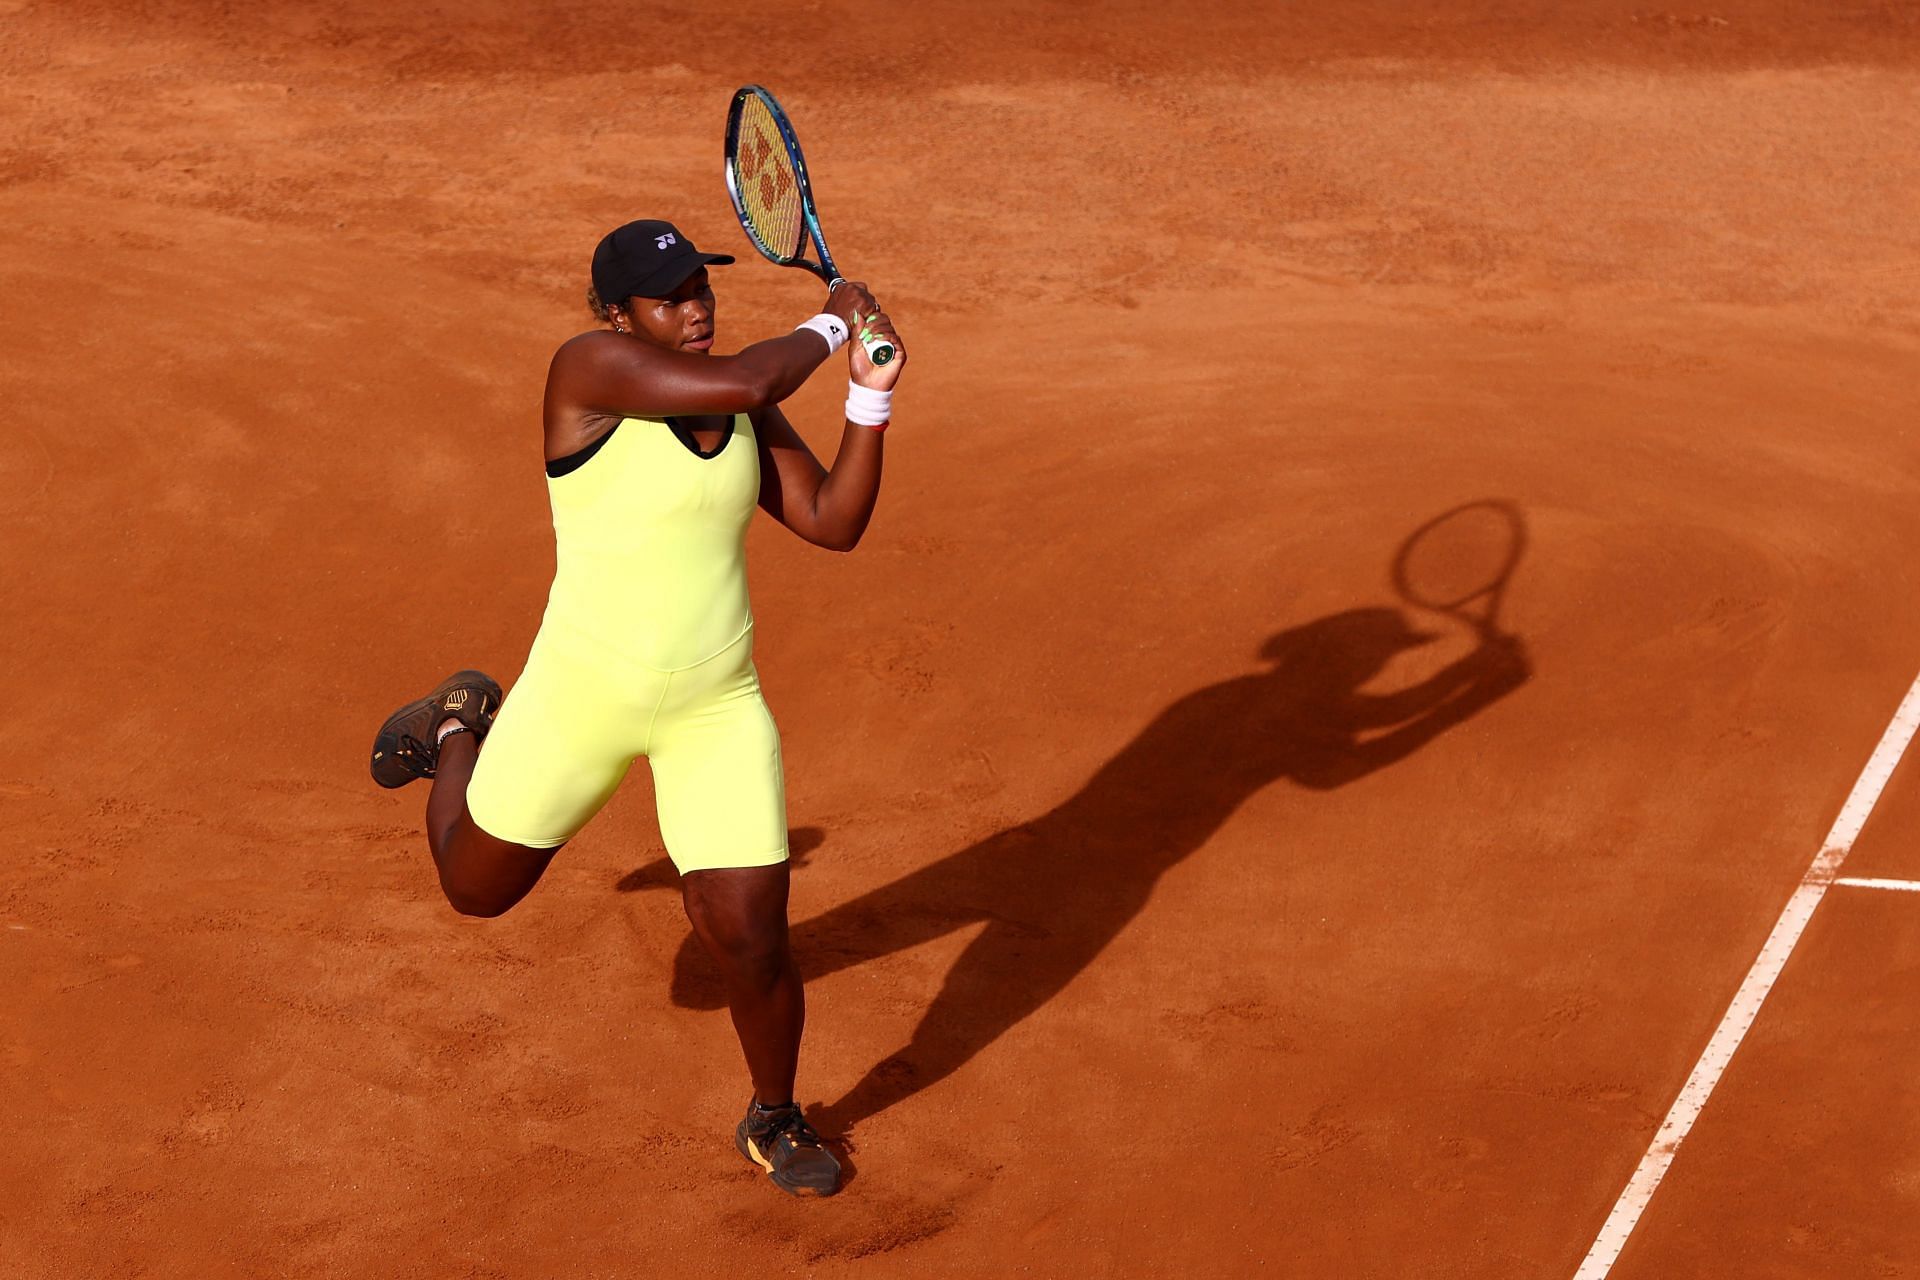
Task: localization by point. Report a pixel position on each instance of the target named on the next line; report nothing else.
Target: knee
(752, 963)
(482, 905)
(741, 919)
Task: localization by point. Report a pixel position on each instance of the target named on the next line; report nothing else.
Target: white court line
(1753, 990)
(1865, 882)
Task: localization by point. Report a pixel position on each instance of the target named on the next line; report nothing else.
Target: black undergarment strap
(574, 461)
(685, 436)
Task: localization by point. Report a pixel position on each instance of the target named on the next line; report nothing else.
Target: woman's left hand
(871, 324)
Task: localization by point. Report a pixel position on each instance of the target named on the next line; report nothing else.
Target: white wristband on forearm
(828, 326)
(867, 407)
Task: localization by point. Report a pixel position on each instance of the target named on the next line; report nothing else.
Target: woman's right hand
(848, 299)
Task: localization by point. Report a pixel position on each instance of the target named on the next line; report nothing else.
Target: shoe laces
(416, 756)
(792, 1125)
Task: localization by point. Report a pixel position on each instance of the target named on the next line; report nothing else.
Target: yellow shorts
(579, 714)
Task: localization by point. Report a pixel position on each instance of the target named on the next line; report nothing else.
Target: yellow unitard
(646, 649)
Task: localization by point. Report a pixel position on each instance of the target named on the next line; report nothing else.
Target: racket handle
(879, 350)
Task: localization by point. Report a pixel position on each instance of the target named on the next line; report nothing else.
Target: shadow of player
(1054, 891)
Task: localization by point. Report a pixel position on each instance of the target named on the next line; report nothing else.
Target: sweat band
(828, 326)
(867, 407)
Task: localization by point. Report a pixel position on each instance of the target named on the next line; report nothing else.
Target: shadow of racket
(1460, 562)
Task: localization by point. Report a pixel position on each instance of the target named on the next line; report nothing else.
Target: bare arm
(829, 508)
(617, 375)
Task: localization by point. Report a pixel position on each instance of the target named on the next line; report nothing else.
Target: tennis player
(657, 453)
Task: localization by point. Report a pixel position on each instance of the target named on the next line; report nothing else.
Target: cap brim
(670, 278)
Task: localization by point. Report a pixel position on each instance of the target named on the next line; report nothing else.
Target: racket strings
(1467, 554)
(768, 186)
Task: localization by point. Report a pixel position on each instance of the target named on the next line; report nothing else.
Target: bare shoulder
(572, 417)
(590, 349)
(594, 368)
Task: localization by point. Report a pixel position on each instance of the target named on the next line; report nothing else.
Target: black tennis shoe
(406, 749)
(786, 1146)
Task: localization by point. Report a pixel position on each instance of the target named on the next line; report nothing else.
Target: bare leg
(740, 915)
(482, 875)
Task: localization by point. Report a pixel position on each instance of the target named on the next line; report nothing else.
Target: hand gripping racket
(767, 182)
(1459, 562)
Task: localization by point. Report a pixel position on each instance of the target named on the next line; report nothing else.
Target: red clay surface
(1133, 952)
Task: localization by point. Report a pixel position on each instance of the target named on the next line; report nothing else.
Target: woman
(657, 453)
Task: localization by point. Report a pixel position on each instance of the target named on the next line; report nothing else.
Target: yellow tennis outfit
(646, 649)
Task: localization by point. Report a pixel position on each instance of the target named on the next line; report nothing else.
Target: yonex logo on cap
(661, 242)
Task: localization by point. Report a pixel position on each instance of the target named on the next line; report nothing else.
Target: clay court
(1155, 922)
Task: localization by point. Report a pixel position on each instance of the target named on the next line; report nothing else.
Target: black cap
(649, 258)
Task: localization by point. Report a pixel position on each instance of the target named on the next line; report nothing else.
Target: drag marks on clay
(114, 1203)
(907, 658)
(1733, 592)
(1741, 621)
(556, 1163)
(1565, 1017)
(1657, 361)
(1600, 1096)
(1403, 250)
(545, 1106)
(1247, 1020)
(903, 1225)
(62, 860)
(210, 1119)
(864, 1225)
(84, 850)
(1454, 1156)
(104, 968)
(919, 545)
(475, 1037)
(1310, 1143)
(378, 833)
(306, 787)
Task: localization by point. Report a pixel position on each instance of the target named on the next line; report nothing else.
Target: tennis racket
(767, 182)
(1460, 562)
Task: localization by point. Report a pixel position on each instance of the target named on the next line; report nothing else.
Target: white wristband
(828, 326)
(867, 407)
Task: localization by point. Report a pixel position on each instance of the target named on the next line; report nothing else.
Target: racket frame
(809, 215)
(1492, 595)
(879, 350)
